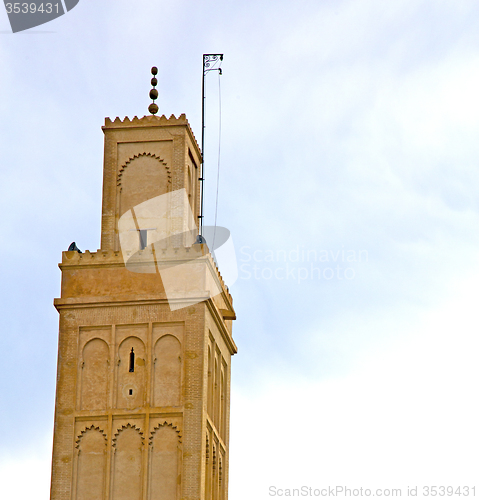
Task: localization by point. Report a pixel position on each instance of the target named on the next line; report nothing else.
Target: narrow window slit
(143, 238)
(132, 361)
(130, 392)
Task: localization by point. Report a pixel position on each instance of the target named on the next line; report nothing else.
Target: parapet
(144, 261)
(149, 121)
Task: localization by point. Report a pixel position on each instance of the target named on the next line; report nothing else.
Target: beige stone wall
(94, 402)
(145, 158)
(142, 402)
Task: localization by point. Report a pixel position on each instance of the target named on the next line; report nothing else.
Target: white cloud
(345, 124)
(25, 472)
(405, 415)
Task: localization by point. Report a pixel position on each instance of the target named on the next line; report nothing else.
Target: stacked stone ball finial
(153, 108)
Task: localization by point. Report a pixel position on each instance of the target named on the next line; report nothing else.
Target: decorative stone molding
(150, 121)
(84, 431)
(163, 120)
(151, 155)
(164, 424)
(127, 426)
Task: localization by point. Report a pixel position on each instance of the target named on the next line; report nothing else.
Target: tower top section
(145, 158)
(150, 121)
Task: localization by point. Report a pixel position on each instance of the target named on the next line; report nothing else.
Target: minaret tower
(143, 384)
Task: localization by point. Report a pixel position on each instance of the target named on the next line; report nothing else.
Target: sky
(348, 177)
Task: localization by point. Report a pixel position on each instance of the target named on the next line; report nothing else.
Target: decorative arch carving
(152, 155)
(124, 427)
(94, 375)
(164, 424)
(130, 391)
(208, 471)
(128, 444)
(167, 371)
(91, 444)
(164, 480)
(143, 177)
(85, 430)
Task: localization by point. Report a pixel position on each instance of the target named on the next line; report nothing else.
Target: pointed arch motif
(167, 371)
(130, 389)
(164, 424)
(84, 431)
(127, 163)
(209, 401)
(94, 375)
(208, 468)
(220, 481)
(91, 444)
(215, 475)
(122, 428)
(207, 448)
(143, 177)
(164, 478)
(126, 464)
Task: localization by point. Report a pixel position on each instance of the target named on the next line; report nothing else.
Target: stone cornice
(219, 320)
(125, 301)
(150, 121)
(110, 258)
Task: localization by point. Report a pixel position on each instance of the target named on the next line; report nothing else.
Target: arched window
(132, 361)
(167, 372)
(94, 375)
(131, 374)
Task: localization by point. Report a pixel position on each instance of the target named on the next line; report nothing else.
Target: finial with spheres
(153, 107)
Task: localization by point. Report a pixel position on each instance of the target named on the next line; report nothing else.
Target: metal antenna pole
(202, 175)
(208, 60)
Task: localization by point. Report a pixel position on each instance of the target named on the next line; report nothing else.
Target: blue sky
(347, 126)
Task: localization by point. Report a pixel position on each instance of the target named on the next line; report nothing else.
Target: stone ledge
(150, 121)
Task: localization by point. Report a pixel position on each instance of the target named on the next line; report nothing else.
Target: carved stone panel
(91, 464)
(94, 375)
(131, 369)
(167, 371)
(164, 477)
(127, 473)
